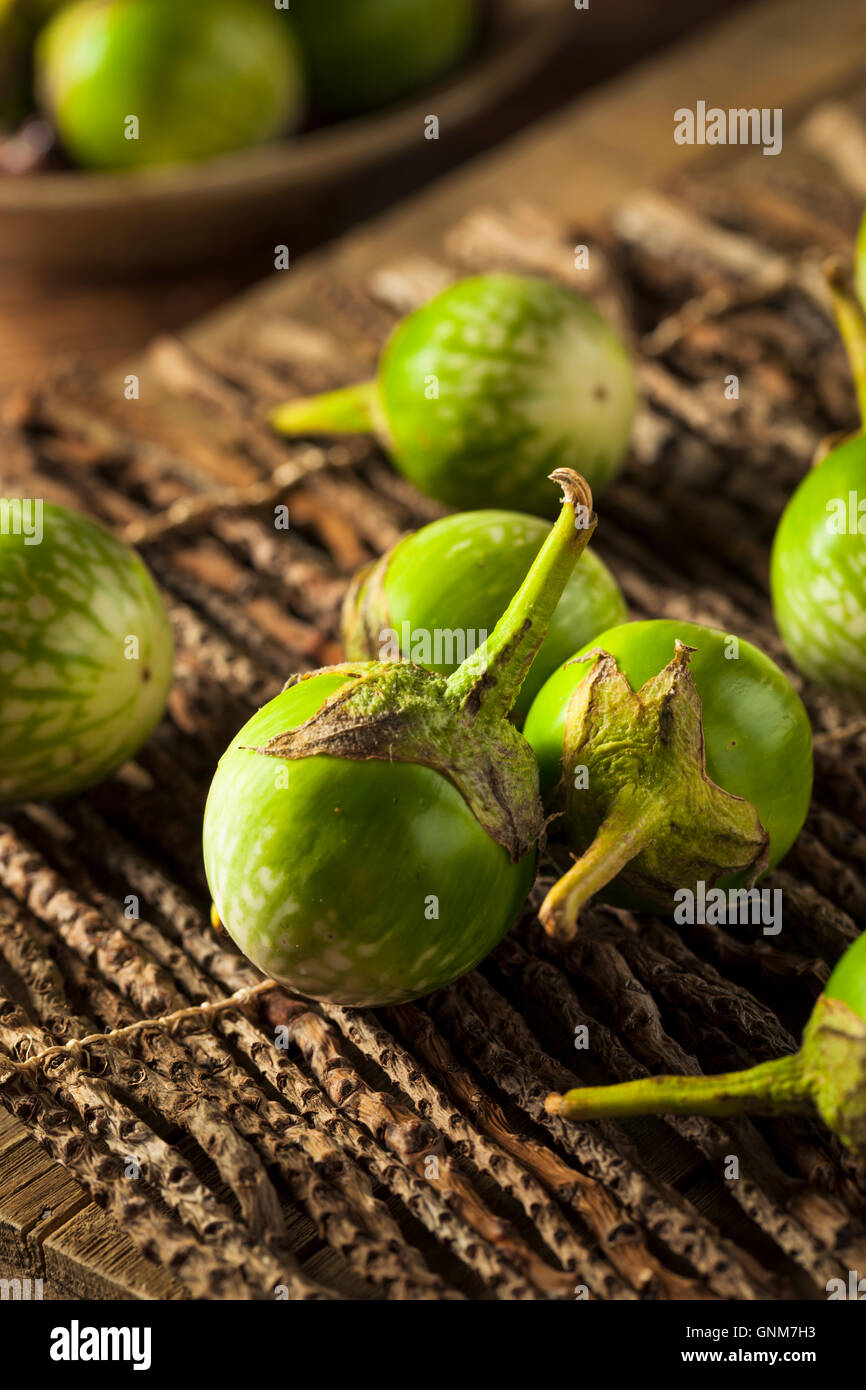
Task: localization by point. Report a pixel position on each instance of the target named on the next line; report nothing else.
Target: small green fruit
(370, 834)
(679, 754)
(85, 652)
(482, 391)
(847, 981)
(361, 54)
(818, 570)
(361, 882)
(198, 79)
(438, 592)
(818, 573)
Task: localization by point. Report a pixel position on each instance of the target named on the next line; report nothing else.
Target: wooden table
(576, 167)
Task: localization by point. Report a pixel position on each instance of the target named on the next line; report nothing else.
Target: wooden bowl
(80, 221)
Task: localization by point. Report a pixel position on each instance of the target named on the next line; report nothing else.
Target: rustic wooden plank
(37, 1197)
(91, 1258)
(10, 1132)
(49, 1229)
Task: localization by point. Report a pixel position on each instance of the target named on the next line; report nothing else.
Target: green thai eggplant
(370, 834)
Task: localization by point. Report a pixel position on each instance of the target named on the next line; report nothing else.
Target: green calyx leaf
(637, 800)
(400, 712)
(834, 1069)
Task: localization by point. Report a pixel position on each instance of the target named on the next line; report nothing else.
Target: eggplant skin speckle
(86, 652)
(818, 574)
(488, 389)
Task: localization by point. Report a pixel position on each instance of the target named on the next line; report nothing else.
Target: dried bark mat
(285, 1148)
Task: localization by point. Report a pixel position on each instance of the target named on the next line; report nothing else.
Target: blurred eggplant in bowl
(145, 132)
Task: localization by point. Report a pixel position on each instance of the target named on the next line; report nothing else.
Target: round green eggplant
(370, 834)
(827, 1077)
(201, 79)
(85, 652)
(484, 390)
(818, 573)
(436, 594)
(363, 882)
(361, 54)
(818, 570)
(847, 981)
(707, 776)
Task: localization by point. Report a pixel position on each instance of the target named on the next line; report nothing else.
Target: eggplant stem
(490, 679)
(350, 410)
(629, 827)
(851, 323)
(778, 1087)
